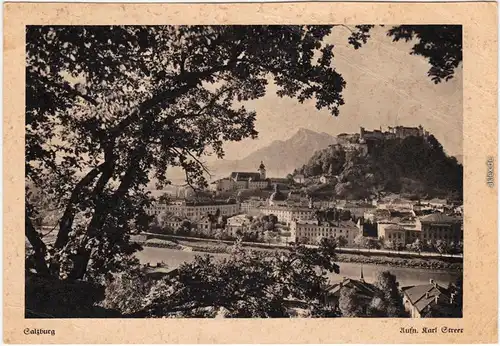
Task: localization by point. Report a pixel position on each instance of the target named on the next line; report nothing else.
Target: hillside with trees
(414, 166)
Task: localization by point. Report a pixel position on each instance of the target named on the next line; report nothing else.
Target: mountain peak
(283, 156)
(304, 134)
(303, 130)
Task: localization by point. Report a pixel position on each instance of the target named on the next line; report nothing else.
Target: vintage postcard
(250, 173)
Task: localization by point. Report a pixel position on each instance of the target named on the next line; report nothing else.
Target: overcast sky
(386, 86)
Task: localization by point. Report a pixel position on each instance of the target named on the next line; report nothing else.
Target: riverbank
(402, 260)
(406, 276)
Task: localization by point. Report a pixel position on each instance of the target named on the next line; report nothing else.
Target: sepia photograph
(244, 171)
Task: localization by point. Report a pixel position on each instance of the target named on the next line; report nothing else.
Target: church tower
(262, 171)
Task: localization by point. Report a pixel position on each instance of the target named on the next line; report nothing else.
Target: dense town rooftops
(337, 224)
(287, 208)
(435, 201)
(238, 220)
(343, 224)
(440, 218)
(398, 200)
(357, 205)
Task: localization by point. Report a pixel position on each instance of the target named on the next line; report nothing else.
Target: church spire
(362, 277)
(262, 171)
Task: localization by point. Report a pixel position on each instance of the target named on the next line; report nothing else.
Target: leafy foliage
(110, 107)
(248, 284)
(342, 241)
(385, 299)
(391, 296)
(127, 290)
(349, 303)
(457, 289)
(440, 44)
(366, 242)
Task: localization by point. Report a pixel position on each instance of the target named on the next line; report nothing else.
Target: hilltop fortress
(360, 141)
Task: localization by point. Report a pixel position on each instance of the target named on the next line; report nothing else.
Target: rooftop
(439, 218)
(207, 203)
(394, 228)
(281, 207)
(362, 288)
(423, 296)
(339, 224)
(254, 176)
(358, 205)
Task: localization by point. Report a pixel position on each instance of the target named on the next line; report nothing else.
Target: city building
(237, 224)
(430, 300)
(299, 178)
(194, 210)
(242, 180)
(282, 181)
(392, 232)
(288, 214)
(356, 209)
(205, 225)
(250, 206)
(427, 228)
(439, 226)
(173, 223)
(310, 231)
(435, 203)
(397, 204)
(223, 185)
(375, 215)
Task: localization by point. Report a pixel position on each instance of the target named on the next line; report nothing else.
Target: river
(405, 276)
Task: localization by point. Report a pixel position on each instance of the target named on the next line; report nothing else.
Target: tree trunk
(38, 246)
(80, 261)
(168, 96)
(66, 222)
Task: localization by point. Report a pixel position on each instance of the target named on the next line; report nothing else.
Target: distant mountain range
(279, 157)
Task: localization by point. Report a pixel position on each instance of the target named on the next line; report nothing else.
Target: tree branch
(67, 88)
(66, 221)
(186, 82)
(345, 26)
